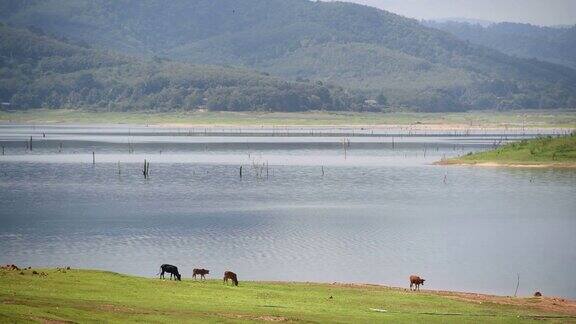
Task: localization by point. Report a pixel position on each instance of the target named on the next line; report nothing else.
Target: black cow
(172, 270)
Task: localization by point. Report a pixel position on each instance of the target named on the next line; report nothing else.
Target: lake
(313, 204)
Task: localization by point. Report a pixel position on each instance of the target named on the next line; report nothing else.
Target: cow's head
(207, 271)
(422, 281)
(179, 276)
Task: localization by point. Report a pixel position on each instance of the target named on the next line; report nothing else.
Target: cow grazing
(201, 272)
(172, 270)
(416, 282)
(232, 276)
(11, 267)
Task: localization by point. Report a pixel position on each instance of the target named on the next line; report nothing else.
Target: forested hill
(555, 45)
(367, 50)
(40, 71)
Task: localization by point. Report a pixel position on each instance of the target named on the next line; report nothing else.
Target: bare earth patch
(265, 318)
(45, 320)
(116, 308)
(548, 304)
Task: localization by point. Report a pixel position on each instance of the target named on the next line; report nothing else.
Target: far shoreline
(417, 129)
(475, 121)
(422, 127)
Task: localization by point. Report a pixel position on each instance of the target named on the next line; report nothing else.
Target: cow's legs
(162, 275)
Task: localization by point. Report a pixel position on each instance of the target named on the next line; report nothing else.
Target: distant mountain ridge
(551, 44)
(39, 71)
(369, 51)
(470, 21)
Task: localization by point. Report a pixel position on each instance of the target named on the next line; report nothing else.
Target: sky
(537, 12)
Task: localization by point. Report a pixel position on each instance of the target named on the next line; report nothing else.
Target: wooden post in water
(60, 148)
(118, 167)
(322, 170)
(146, 169)
(2, 149)
(30, 146)
(93, 157)
(266, 169)
(240, 172)
(344, 147)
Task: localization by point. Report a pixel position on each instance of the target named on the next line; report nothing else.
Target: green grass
(88, 296)
(554, 151)
(559, 118)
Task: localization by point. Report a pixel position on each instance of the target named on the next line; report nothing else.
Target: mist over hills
(371, 53)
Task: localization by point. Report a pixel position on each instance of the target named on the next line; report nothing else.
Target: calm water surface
(305, 208)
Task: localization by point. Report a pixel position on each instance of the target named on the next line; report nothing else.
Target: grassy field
(89, 296)
(542, 151)
(564, 118)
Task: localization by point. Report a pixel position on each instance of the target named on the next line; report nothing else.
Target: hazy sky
(539, 12)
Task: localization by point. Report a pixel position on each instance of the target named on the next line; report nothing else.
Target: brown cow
(11, 267)
(232, 276)
(201, 272)
(416, 282)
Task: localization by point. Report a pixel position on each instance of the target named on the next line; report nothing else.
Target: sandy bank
(508, 165)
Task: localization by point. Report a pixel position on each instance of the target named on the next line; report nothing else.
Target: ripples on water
(379, 213)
